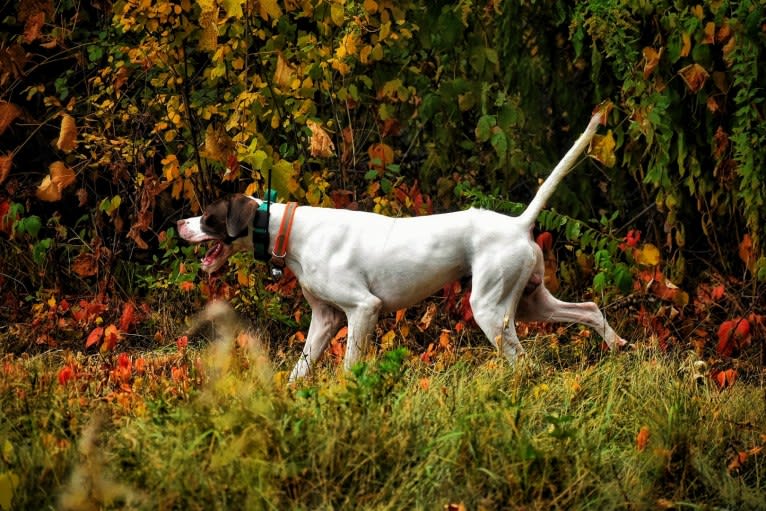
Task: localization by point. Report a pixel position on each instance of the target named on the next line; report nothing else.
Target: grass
(216, 428)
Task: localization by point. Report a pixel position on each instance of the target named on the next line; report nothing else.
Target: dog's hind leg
(325, 322)
(493, 301)
(541, 305)
(362, 318)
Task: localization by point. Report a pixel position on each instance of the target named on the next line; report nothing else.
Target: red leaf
(123, 361)
(733, 334)
(94, 337)
(66, 374)
(545, 241)
(725, 378)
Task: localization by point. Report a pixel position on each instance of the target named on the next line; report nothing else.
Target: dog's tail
(562, 169)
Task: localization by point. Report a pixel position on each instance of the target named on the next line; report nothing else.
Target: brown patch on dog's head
(228, 218)
(241, 213)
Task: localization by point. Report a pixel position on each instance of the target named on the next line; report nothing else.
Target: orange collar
(283, 236)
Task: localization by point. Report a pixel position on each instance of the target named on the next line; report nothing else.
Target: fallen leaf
(428, 317)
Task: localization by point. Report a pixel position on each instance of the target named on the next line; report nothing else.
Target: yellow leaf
(364, 55)
(687, 44)
(648, 255)
(284, 74)
(321, 143)
(269, 9)
(337, 13)
(233, 8)
(8, 484)
(387, 341)
(68, 134)
(602, 149)
(652, 58)
(709, 32)
(347, 46)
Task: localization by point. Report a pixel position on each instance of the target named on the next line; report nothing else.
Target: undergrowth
(220, 429)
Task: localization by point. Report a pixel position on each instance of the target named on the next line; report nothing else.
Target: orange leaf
(111, 337)
(61, 175)
(445, 339)
(400, 316)
(68, 134)
(321, 143)
(48, 191)
(381, 155)
(746, 253)
(5, 166)
(94, 337)
(85, 264)
(128, 317)
(8, 113)
(694, 76)
(652, 58)
(33, 25)
(642, 438)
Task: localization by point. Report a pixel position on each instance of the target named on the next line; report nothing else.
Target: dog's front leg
(362, 318)
(325, 322)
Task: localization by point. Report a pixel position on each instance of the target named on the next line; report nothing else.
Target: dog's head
(226, 222)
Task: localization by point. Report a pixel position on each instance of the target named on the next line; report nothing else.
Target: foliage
(639, 430)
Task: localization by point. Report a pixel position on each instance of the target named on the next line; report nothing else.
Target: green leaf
(30, 225)
(484, 127)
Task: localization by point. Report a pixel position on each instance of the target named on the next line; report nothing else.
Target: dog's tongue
(213, 253)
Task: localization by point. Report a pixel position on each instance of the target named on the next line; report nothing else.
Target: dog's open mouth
(215, 256)
(213, 253)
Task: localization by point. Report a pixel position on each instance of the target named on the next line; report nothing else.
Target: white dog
(354, 266)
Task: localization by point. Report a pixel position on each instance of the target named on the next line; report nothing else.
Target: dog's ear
(241, 213)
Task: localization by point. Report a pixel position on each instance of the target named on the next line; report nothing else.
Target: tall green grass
(397, 434)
